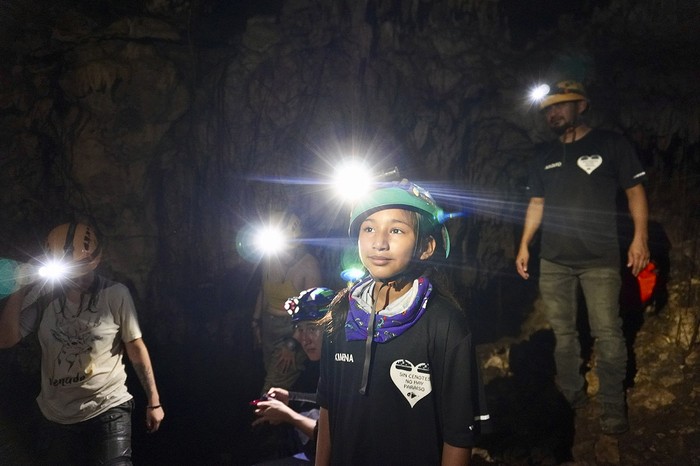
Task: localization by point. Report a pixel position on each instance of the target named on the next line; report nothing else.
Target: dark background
(174, 125)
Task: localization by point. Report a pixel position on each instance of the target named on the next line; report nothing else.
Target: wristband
(154, 407)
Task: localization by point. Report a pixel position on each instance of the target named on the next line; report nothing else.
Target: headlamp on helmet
(354, 179)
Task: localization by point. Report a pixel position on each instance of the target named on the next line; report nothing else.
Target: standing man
(573, 189)
(85, 324)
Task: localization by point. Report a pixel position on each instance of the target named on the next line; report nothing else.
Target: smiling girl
(399, 381)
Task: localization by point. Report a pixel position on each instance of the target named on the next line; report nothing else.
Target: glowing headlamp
(564, 91)
(255, 241)
(271, 240)
(54, 270)
(539, 93)
(353, 179)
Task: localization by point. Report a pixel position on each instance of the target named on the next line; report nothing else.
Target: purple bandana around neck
(386, 327)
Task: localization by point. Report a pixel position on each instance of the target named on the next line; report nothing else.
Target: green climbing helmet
(401, 195)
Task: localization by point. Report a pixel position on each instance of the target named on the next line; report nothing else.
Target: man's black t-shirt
(579, 182)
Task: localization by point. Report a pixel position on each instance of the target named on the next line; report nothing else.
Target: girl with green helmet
(399, 381)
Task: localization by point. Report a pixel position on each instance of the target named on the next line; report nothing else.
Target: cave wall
(172, 124)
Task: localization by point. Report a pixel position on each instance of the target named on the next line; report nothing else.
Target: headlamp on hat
(563, 91)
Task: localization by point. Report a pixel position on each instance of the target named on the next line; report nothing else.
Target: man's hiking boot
(614, 419)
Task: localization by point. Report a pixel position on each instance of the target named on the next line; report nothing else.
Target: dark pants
(102, 440)
(601, 289)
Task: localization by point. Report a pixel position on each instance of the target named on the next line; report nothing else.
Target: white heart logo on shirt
(588, 163)
(412, 381)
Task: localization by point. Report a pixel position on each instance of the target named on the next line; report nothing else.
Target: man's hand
(533, 219)
(638, 253)
(521, 262)
(637, 256)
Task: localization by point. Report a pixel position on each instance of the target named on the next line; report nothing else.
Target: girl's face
(387, 242)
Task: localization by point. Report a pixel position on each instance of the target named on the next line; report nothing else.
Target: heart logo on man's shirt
(588, 163)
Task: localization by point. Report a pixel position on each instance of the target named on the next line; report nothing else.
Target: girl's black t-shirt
(424, 389)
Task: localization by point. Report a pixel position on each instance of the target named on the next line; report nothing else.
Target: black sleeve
(463, 405)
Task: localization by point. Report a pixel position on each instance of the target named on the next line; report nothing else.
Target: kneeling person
(306, 310)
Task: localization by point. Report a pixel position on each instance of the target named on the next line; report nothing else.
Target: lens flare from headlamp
(271, 240)
(8, 276)
(352, 180)
(14, 275)
(539, 93)
(54, 270)
(254, 243)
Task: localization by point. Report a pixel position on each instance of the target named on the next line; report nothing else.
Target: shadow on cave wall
(532, 421)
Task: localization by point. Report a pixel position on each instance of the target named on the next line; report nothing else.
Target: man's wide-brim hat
(564, 91)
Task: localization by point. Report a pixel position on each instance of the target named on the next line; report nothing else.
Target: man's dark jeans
(601, 289)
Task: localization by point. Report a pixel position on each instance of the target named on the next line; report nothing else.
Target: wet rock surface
(534, 425)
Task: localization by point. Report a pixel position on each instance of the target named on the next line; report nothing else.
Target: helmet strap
(68, 247)
(370, 329)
